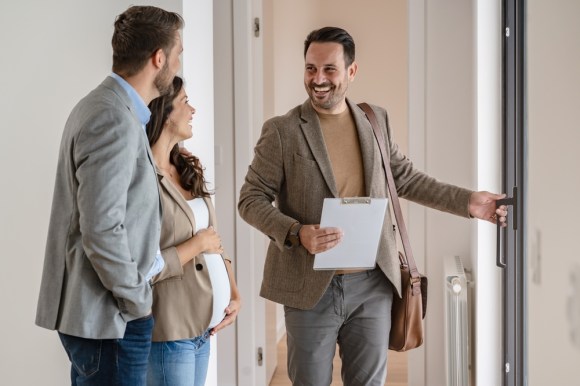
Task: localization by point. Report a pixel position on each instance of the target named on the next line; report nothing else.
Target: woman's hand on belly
(231, 314)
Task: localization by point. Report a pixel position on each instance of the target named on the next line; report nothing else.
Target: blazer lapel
(178, 198)
(368, 146)
(313, 133)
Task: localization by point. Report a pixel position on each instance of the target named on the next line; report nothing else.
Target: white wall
(225, 197)
(198, 72)
(488, 277)
(59, 51)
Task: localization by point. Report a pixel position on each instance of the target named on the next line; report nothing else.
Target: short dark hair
(139, 32)
(332, 35)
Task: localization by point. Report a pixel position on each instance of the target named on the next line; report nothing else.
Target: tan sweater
(343, 147)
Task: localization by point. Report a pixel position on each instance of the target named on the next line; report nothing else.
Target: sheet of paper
(361, 219)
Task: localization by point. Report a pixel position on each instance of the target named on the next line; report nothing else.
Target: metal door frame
(511, 240)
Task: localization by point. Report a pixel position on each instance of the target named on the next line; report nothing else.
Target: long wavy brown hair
(189, 167)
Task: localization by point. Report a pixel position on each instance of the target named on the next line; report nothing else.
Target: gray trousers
(355, 311)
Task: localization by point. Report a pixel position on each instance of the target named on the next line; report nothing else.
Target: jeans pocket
(84, 354)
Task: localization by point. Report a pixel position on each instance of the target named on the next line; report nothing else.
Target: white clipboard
(361, 220)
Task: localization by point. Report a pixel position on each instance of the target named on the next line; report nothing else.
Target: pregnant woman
(195, 295)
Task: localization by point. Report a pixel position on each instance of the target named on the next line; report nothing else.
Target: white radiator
(457, 348)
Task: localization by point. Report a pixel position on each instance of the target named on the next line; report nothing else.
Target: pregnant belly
(220, 283)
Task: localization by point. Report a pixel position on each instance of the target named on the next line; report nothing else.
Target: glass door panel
(553, 185)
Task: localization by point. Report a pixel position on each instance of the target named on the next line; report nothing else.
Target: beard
(164, 81)
(334, 96)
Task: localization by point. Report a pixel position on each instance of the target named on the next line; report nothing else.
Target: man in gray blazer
(104, 227)
(326, 148)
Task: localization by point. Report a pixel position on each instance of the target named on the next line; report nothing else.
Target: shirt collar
(141, 108)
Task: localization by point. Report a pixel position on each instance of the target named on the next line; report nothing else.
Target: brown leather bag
(408, 311)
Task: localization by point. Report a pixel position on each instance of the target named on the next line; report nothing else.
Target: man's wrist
(293, 236)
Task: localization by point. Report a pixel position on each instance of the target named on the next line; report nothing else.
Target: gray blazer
(105, 221)
(291, 168)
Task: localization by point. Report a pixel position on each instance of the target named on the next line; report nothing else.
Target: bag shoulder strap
(393, 191)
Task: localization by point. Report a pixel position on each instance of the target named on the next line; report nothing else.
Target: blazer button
(199, 267)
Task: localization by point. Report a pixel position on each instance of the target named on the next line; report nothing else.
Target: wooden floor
(396, 372)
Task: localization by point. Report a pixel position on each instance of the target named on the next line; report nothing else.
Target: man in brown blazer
(326, 148)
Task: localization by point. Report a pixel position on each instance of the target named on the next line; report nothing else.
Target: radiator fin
(456, 323)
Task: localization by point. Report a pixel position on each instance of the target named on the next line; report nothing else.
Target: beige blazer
(182, 295)
(291, 168)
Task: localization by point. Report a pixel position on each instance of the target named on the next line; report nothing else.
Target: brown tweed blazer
(291, 168)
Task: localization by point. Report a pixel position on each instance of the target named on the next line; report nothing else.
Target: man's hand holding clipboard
(317, 240)
(360, 222)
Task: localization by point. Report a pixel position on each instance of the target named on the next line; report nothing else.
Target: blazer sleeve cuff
(172, 267)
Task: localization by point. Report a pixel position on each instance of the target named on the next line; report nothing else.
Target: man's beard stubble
(163, 81)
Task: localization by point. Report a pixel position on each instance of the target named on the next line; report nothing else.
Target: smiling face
(326, 77)
(179, 120)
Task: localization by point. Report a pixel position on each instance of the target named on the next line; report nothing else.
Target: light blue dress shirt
(144, 114)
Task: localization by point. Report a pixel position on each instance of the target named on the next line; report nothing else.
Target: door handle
(513, 201)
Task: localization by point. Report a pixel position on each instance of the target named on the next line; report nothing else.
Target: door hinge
(257, 27)
(260, 356)
(507, 32)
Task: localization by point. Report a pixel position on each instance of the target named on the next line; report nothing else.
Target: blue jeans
(179, 362)
(97, 362)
